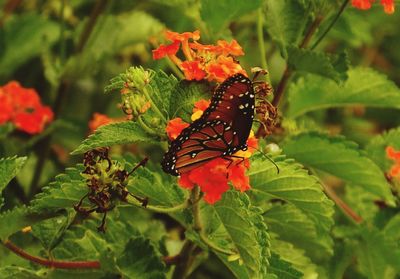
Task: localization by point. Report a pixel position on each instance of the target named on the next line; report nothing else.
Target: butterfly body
(221, 131)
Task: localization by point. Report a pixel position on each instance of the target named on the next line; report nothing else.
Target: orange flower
(175, 127)
(388, 5)
(99, 120)
(213, 178)
(213, 62)
(166, 50)
(362, 4)
(391, 153)
(232, 48)
(222, 68)
(22, 107)
(174, 36)
(193, 70)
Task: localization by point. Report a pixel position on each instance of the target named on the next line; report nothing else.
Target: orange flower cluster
(23, 108)
(99, 120)
(394, 155)
(211, 62)
(388, 5)
(213, 177)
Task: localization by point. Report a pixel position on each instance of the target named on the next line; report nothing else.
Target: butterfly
(221, 131)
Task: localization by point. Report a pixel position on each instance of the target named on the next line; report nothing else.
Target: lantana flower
(394, 155)
(211, 62)
(22, 107)
(388, 5)
(214, 177)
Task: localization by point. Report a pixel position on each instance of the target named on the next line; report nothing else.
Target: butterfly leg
(230, 163)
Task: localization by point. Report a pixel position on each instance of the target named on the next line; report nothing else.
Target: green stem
(342, 8)
(153, 106)
(179, 207)
(197, 226)
(62, 33)
(175, 69)
(145, 127)
(261, 44)
(344, 207)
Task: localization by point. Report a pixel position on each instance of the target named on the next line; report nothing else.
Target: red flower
(394, 155)
(166, 50)
(175, 127)
(388, 5)
(222, 68)
(213, 178)
(22, 106)
(34, 122)
(193, 70)
(213, 62)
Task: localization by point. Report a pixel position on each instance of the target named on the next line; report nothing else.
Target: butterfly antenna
(266, 156)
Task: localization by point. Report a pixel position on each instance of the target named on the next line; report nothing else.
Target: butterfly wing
(222, 130)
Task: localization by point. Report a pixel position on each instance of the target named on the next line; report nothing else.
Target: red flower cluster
(214, 176)
(211, 62)
(394, 155)
(23, 108)
(388, 5)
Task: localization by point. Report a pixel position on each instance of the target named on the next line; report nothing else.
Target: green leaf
(141, 260)
(341, 158)
(282, 268)
(24, 37)
(376, 149)
(11, 272)
(217, 14)
(96, 51)
(17, 219)
(372, 255)
(285, 21)
(50, 231)
(184, 96)
(246, 232)
(364, 86)
(295, 257)
(9, 167)
(115, 133)
(298, 229)
(158, 187)
(162, 88)
(64, 192)
(293, 185)
(331, 66)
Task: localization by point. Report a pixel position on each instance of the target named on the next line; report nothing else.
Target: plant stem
(175, 68)
(153, 106)
(341, 9)
(346, 209)
(61, 94)
(288, 72)
(197, 226)
(261, 44)
(98, 8)
(194, 200)
(51, 263)
(186, 259)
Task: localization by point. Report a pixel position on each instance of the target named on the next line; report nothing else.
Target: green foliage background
(339, 112)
